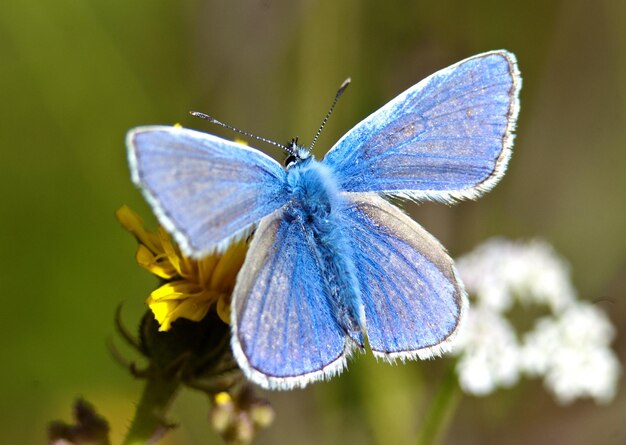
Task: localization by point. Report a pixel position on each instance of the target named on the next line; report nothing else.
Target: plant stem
(441, 410)
(149, 422)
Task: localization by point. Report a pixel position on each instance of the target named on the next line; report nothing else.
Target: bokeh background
(75, 75)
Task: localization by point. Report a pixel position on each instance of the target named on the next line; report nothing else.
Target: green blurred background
(75, 75)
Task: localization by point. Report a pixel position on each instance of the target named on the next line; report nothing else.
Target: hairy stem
(149, 423)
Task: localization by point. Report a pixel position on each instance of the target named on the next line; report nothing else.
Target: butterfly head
(297, 153)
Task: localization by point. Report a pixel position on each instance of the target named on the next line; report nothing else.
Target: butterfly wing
(205, 190)
(412, 296)
(285, 333)
(448, 137)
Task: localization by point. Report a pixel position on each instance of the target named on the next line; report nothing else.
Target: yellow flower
(192, 286)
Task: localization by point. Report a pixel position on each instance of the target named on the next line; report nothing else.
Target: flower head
(490, 357)
(570, 348)
(572, 352)
(499, 272)
(237, 419)
(191, 287)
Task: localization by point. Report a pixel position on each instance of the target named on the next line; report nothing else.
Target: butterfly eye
(290, 159)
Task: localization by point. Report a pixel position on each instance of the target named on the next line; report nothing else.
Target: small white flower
(490, 354)
(500, 271)
(482, 274)
(572, 352)
(547, 277)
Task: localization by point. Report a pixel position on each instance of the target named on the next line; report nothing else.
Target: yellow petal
(206, 266)
(159, 266)
(226, 271)
(223, 308)
(162, 311)
(134, 224)
(168, 311)
(191, 310)
(188, 266)
(168, 247)
(180, 289)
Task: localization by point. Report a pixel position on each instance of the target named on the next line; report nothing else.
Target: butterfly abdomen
(317, 206)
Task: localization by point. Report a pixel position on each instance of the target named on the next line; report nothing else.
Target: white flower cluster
(569, 348)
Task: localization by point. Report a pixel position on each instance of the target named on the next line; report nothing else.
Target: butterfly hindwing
(448, 137)
(204, 189)
(285, 333)
(412, 296)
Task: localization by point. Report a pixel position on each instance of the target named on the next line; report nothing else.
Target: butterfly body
(317, 208)
(332, 261)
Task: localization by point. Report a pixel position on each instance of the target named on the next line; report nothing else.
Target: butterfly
(332, 261)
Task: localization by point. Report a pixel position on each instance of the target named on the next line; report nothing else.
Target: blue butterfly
(331, 260)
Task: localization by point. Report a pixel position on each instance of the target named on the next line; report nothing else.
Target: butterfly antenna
(340, 91)
(211, 119)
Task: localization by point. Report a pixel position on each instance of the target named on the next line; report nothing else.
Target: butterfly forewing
(446, 138)
(204, 189)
